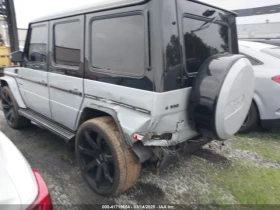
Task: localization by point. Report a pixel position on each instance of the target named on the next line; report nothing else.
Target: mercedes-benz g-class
(131, 81)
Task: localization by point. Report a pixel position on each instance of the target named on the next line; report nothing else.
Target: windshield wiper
(204, 25)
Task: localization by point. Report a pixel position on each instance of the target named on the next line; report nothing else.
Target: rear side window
(67, 43)
(38, 44)
(202, 40)
(118, 45)
(275, 52)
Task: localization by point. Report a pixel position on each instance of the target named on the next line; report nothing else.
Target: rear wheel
(108, 166)
(10, 109)
(251, 120)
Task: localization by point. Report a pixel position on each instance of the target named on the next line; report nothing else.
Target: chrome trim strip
(33, 81)
(68, 91)
(118, 103)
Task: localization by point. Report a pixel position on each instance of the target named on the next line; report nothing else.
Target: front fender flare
(12, 83)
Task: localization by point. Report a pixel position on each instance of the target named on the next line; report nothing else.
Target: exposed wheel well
(3, 83)
(89, 113)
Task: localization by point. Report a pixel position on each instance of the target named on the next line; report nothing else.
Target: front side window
(275, 52)
(67, 43)
(202, 40)
(38, 44)
(118, 45)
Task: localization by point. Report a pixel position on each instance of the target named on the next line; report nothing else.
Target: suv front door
(66, 69)
(32, 77)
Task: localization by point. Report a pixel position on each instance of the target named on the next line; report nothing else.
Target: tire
(107, 165)
(251, 120)
(10, 109)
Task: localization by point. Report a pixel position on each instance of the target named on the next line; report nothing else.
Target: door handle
(76, 92)
(43, 83)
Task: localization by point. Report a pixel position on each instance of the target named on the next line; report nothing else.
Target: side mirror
(16, 57)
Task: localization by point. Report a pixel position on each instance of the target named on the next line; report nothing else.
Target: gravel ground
(186, 182)
(241, 155)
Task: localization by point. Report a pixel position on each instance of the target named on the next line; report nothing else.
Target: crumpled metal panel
(143, 112)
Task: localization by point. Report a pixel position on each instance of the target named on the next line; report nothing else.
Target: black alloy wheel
(97, 160)
(107, 164)
(8, 108)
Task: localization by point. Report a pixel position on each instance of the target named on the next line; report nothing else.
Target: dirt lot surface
(216, 174)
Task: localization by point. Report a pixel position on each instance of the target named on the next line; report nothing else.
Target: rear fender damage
(131, 122)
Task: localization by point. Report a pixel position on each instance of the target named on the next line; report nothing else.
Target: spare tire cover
(221, 96)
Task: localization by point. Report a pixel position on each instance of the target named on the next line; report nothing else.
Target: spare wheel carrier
(221, 96)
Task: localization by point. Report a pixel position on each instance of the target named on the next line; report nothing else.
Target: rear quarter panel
(266, 90)
(143, 112)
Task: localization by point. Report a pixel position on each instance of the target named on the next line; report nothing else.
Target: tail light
(276, 79)
(43, 200)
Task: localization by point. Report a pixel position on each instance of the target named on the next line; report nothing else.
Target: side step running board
(46, 123)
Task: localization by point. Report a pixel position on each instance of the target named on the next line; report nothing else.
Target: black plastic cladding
(206, 90)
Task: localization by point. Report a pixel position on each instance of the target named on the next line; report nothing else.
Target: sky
(28, 10)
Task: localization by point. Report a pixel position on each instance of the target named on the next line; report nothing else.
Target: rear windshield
(275, 52)
(202, 40)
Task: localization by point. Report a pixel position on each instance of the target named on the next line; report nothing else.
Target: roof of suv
(255, 45)
(98, 6)
(104, 5)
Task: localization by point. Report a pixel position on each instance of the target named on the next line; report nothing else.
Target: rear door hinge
(181, 81)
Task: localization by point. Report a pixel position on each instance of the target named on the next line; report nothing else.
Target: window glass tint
(275, 52)
(118, 44)
(201, 42)
(67, 43)
(38, 44)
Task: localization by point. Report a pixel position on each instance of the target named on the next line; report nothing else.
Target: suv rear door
(33, 81)
(204, 31)
(66, 69)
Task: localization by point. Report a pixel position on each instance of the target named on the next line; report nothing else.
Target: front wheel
(10, 109)
(108, 166)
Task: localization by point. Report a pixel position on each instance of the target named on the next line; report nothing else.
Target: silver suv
(131, 81)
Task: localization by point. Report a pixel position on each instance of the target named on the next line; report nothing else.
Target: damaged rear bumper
(161, 140)
(177, 138)
(167, 155)
(171, 155)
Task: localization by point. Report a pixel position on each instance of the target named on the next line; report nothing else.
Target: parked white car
(21, 187)
(265, 108)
